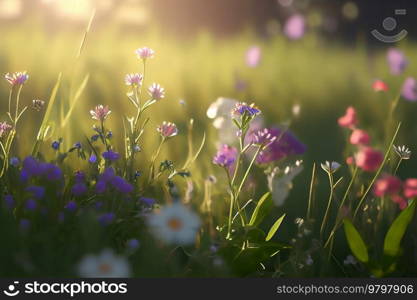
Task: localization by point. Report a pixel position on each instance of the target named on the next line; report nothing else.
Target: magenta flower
(145, 53)
(369, 159)
(4, 128)
(253, 56)
(359, 137)
(167, 129)
(387, 185)
(409, 89)
(410, 188)
(17, 78)
(111, 155)
(134, 79)
(156, 91)
(397, 61)
(294, 28)
(380, 86)
(225, 156)
(100, 112)
(243, 108)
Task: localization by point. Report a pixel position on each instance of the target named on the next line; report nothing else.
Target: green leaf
(262, 209)
(355, 241)
(274, 228)
(397, 230)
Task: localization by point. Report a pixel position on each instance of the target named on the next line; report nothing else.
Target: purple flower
(147, 201)
(294, 27)
(106, 219)
(92, 159)
(79, 176)
(107, 175)
(121, 185)
(225, 156)
(14, 161)
(111, 155)
(79, 189)
(284, 145)
(134, 79)
(55, 145)
(10, 203)
(4, 128)
(242, 108)
(397, 61)
(24, 224)
(253, 56)
(17, 78)
(409, 89)
(101, 187)
(133, 244)
(53, 172)
(71, 206)
(95, 137)
(264, 138)
(156, 91)
(37, 192)
(31, 205)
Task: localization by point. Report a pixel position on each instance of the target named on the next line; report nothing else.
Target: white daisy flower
(104, 265)
(175, 224)
(330, 167)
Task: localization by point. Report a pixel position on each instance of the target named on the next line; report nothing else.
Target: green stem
(152, 166)
(387, 152)
(247, 172)
(398, 166)
(17, 104)
(310, 195)
(326, 214)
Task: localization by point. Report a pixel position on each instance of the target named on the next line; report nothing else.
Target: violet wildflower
(167, 129)
(397, 61)
(37, 192)
(156, 91)
(286, 144)
(95, 137)
(100, 112)
(133, 244)
(144, 53)
(111, 155)
(9, 201)
(92, 159)
(53, 172)
(55, 145)
(253, 56)
(79, 189)
(294, 27)
(14, 161)
(225, 156)
(17, 78)
(243, 109)
(101, 187)
(147, 201)
(264, 138)
(24, 224)
(4, 128)
(71, 206)
(106, 219)
(31, 205)
(121, 185)
(134, 79)
(38, 104)
(109, 135)
(409, 89)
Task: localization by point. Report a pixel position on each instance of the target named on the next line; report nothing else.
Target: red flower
(410, 188)
(387, 185)
(380, 86)
(369, 159)
(359, 137)
(349, 119)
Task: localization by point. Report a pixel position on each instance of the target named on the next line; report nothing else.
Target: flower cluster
(100, 113)
(17, 78)
(4, 128)
(109, 178)
(167, 129)
(399, 192)
(225, 156)
(34, 168)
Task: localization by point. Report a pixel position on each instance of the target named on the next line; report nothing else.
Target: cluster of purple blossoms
(264, 138)
(17, 78)
(4, 128)
(242, 108)
(111, 155)
(106, 218)
(225, 156)
(134, 79)
(34, 168)
(285, 144)
(80, 187)
(409, 89)
(109, 178)
(397, 61)
(71, 206)
(37, 192)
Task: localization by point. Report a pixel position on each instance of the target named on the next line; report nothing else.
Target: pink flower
(156, 91)
(387, 185)
(100, 112)
(17, 78)
(350, 160)
(402, 203)
(4, 128)
(134, 79)
(145, 53)
(369, 159)
(253, 56)
(167, 129)
(349, 119)
(294, 27)
(380, 86)
(410, 188)
(359, 137)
